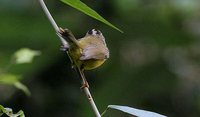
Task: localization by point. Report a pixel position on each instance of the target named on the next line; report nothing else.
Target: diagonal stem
(52, 21)
(87, 92)
(48, 14)
(65, 44)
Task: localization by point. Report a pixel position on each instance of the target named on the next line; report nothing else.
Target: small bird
(88, 52)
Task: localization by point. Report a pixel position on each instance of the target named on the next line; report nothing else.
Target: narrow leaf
(77, 4)
(22, 87)
(135, 112)
(25, 55)
(10, 79)
(1, 110)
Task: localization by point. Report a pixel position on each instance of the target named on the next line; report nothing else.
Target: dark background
(153, 65)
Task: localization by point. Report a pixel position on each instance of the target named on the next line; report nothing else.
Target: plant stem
(87, 92)
(65, 44)
(46, 11)
(52, 21)
(92, 103)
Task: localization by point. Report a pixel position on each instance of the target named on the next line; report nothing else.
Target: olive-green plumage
(88, 52)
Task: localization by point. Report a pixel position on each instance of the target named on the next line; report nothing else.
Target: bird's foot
(65, 32)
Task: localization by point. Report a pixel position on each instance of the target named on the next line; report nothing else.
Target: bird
(86, 53)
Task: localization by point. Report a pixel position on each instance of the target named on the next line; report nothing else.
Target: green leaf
(25, 55)
(22, 87)
(134, 111)
(9, 112)
(10, 79)
(77, 4)
(1, 110)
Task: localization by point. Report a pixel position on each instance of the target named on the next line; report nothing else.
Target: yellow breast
(92, 64)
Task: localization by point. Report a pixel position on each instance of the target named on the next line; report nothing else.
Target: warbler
(88, 52)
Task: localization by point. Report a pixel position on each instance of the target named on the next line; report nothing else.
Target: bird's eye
(98, 32)
(90, 32)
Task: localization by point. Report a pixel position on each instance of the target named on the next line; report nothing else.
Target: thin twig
(88, 94)
(49, 15)
(65, 44)
(52, 21)
(92, 103)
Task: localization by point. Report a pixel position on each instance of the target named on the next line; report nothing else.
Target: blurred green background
(153, 65)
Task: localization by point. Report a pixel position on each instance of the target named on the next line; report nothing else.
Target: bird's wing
(94, 52)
